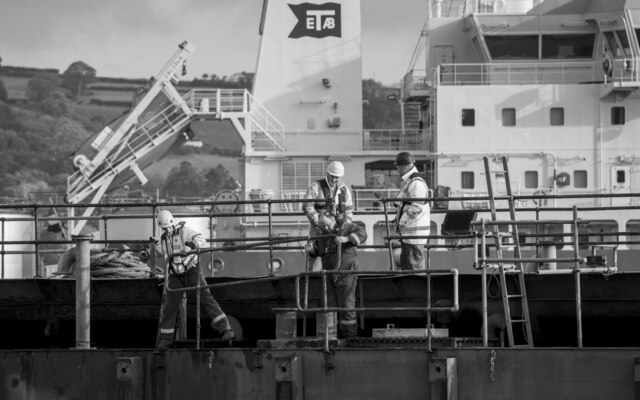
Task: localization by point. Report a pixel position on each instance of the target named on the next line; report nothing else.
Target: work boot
(349, 331)
(227, 335)
(166, 341)
(224, 328)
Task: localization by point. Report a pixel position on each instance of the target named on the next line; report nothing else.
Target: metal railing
(269, 243)
(483, 262)
(394, 139)
(269, 214)
(302, 305)
(622, 70)
(267, 132)
(512, 73)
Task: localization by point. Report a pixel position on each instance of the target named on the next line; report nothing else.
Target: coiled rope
(115, 265)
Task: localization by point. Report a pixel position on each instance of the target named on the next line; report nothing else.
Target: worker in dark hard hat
(176, 245)
(332, 195)
(413, 217)
(341, 288)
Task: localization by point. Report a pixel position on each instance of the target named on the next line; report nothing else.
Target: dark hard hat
(404, 158)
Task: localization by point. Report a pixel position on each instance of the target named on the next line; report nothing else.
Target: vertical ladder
(525, 319)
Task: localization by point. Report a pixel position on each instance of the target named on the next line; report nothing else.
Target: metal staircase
(520, 297)
(156, 120)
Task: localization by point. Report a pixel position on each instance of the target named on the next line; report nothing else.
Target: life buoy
(226, 196)
(276, 266)
(217, 265)
(540, 202)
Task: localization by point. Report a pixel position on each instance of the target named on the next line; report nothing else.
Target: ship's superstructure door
(620, 183)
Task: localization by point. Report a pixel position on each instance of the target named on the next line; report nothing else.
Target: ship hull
(124, 312)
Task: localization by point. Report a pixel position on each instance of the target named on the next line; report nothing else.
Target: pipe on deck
(83, 291)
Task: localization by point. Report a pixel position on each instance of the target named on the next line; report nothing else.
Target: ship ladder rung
(519, 321)
(528, 346)
(514, 296)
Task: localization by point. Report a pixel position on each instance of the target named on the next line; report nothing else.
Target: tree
(4, 96)
(380, 113)
(77, 77)
(7, 118)
(184, 181)
(41, 87)
(45, 93)
(25, 183)
(218, 179)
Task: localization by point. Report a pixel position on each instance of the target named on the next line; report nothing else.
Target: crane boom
(119, 149)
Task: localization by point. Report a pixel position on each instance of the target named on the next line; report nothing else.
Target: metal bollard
(83, 291)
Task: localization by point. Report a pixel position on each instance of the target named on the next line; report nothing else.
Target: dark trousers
(341, 291)
(411, 257)
(173, 299)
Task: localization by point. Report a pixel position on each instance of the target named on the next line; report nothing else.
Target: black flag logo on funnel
(316, 20)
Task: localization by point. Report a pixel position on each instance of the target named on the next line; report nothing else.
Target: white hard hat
(336, 169)
(165, 219)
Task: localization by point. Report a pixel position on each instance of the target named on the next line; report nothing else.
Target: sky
(134, 38)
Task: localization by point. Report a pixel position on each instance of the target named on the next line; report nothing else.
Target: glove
(311, 250)
(192, 245)
(314, 220)
(144, 256)
(341, 239)
(153, 240)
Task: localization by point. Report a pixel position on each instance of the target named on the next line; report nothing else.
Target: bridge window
(633, 226)
(612, 43)
(617, 116)
(624, 42)
(508, 117)
(467, 180)
(468, 117)
(531, 179)
(567, 46)
(513, 47)
(580, 179)
(556, 116)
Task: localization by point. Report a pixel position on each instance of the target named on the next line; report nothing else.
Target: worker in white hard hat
(330, 194)
(177, 245)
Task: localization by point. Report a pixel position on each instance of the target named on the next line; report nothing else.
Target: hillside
(46, 115)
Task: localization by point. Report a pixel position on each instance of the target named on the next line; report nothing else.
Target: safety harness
(178, 265)
(330, 201)
(415, 175)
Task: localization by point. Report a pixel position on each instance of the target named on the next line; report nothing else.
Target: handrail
(33, 244)
(483, 262)
(508, 73)
(326, 309)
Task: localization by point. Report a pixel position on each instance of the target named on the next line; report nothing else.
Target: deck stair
(412, 116)
(520, 297)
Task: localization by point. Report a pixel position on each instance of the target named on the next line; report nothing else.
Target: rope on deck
(118, 265)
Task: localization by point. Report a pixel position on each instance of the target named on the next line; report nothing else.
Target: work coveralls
(184, 272)
(412, 219)
(341, 288)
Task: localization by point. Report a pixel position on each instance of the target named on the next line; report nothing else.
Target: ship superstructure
(554, 88)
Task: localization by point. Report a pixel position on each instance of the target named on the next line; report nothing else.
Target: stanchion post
(83, 291)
